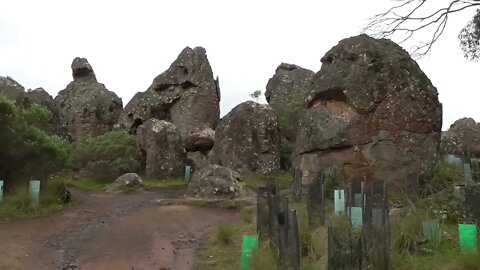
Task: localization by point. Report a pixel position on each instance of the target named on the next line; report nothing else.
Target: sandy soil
(111, 231)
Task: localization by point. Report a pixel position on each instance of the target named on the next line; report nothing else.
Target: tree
(410, 18)
(256, 94)
(107, 156)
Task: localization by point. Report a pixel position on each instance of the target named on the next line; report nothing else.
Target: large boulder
(286, 93)
(216, 181)
(186, 95)
(125, 182)
(372, 112)
(462, 138)
(248, 139)
(86, 108)
(162, 148)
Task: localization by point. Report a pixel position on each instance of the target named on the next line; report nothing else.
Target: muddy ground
(111, 231)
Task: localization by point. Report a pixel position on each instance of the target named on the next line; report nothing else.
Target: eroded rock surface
(186, 95)
(216, 181)
(248, 139)
(286, 93)
(162, 148)
(462, 138)
(86, 107)
(370, 111)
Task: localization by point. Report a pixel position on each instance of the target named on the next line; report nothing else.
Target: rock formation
(248, 139)
(125, 182)
(11, 89)
(216, 181)
(86, 108)
(286, 93)
(462, 138)
(186, 95)
(370, 111)
(162, 148)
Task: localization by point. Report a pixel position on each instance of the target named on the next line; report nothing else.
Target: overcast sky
(128, 43)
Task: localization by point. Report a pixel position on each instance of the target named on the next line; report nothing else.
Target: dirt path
(105, 231)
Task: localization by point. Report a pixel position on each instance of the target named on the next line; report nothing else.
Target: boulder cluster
(369, 111)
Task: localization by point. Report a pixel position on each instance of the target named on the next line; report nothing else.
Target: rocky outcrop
(11, 89)
(286, 93)
(200, 141)
(462, 138)
(125, 182)
(86, 108)
(197, 160)
(370, 111)
(41, 97)
(186, 95)
(216, 181)
(162, 148)
(248, 139)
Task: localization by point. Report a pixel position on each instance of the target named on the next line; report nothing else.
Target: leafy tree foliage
(107, 156)
(470, 38)
(256, 94)
(28, 151)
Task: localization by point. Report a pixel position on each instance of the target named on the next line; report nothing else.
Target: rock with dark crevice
(86, 107)
(186, 94)
(370, 111)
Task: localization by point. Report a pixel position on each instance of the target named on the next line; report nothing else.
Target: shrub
(225, 235)
(442, 176)
(107, 156)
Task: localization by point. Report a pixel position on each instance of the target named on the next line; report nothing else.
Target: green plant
(225, 234)
(443, 175)
(107, 156)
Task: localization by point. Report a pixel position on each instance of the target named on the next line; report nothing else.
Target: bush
(107, 156)
(441, 177)
(27, 151)
(225, 235)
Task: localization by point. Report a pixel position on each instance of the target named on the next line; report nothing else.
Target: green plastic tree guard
(339, 196)
(467, 172)
(468, 237)
(377, 214)
(35, 191)
(356, 216)
(431, 231)
(249, 245)
(1, 190)
(188, 174)
(452, 159)
(357, 200)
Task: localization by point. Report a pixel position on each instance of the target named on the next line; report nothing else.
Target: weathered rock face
(370, 111)
(197, 160)
(200, 141)
(248, 139)
(216, 181)
(11, 89)
(462, 138)
(41, 97)
(162, 147)
(186, 95)
(124, 182)
(86, 108)
(286, 93)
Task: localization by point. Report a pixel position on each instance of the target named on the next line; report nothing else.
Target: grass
(408, 248)
(89, 185)
(20, 205)
(169, 183)
(284, 178)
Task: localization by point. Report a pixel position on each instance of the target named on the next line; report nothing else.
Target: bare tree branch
(408, 18)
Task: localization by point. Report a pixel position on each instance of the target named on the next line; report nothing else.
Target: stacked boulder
(86, 108)
(286, 93)
(372, 112)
